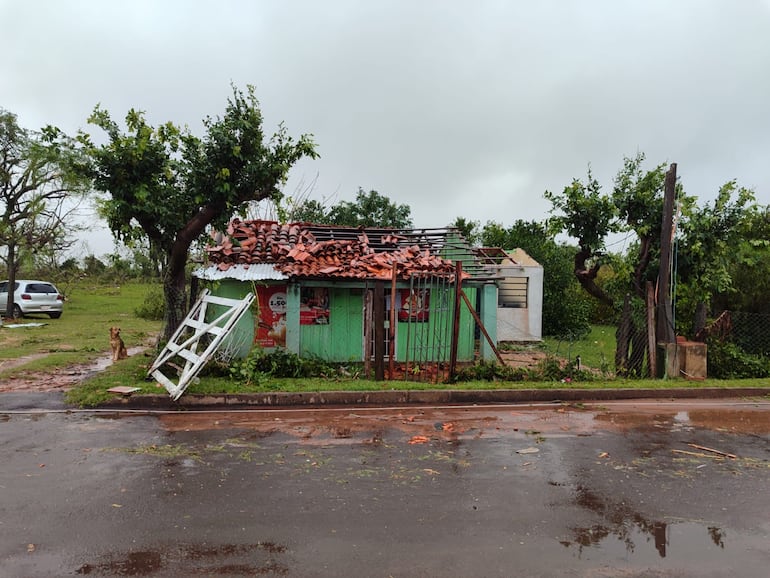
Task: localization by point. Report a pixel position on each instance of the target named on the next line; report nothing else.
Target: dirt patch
(523, 359)
(61, 379)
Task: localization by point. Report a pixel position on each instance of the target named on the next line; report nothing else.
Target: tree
(168, 186)
(38, 178)
(715, 237)
(635, 206)
(589, 217)
(370, 210)
(308, 211)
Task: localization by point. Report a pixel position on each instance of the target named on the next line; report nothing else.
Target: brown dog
(117, 345)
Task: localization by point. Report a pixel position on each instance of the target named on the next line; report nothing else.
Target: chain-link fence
(738, 345)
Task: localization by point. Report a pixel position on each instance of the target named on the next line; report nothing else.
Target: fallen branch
(696, 454)
(705, 449)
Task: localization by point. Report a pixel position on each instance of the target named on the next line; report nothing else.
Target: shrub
(549, 369)
(260, 365)
(154, 306)
(728, 361)
(490, 371)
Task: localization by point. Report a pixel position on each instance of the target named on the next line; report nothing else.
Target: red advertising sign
(271, 325)
(413, 305)
(314, 306)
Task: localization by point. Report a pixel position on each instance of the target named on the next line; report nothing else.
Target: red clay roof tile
(293, 249)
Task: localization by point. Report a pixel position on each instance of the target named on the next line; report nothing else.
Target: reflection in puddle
(626, 533)
(679, 541)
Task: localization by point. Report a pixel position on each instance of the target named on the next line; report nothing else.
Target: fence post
(456, 320)
(379, 330)
(665, 331)
(652, 347)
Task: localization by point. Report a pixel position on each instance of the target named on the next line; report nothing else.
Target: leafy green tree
(167, 186)
(584, 213)
(748, 266)
(308, 211)
(635, 206)
(713, 238)
(38, 181)
(370, 210)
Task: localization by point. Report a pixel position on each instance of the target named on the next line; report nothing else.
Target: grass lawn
(596, 350)
(81, 334)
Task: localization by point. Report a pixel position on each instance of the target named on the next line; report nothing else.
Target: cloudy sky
(456, 108)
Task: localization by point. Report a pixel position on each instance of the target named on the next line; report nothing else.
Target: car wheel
(17, 312)
(55, 315)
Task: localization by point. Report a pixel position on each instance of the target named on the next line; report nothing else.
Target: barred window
(512, 292)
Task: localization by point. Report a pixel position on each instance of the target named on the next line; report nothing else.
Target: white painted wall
(523, 324)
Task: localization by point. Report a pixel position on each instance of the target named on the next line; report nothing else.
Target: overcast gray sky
(456, 108)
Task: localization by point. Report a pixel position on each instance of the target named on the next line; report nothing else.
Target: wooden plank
(226, 301)
(652, 349)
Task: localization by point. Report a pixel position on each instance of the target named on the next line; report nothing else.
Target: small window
(512, 292)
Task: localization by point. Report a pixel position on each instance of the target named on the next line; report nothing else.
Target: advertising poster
(314, 306)
(413, 305)
(271, 326)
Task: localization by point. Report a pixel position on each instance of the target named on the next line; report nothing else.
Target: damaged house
(346, 294)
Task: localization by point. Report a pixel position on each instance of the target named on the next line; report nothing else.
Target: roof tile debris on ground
(296, 250)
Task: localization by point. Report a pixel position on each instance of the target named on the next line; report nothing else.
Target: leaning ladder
(186, 347)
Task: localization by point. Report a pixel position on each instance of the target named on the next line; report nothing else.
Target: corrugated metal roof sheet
(251, 272)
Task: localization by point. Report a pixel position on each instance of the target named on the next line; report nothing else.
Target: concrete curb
(420, 397)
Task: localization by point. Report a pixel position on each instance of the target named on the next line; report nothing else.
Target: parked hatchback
(32, 297)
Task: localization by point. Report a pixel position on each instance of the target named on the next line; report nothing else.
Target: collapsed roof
(305, 250)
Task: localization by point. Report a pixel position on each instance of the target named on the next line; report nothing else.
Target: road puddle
(646, 543)
(625, 534)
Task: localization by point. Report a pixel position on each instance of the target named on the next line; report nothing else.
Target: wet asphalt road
(617, 489)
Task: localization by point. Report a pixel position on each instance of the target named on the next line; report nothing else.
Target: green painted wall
(343, 338)
(241, 339)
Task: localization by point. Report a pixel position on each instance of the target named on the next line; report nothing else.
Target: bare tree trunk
(699, 323)
(587, 276)
(174, 291)
(12, 266)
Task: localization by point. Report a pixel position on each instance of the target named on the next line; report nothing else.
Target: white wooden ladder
(185, 346)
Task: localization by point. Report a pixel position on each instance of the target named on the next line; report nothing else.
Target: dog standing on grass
(117, 345)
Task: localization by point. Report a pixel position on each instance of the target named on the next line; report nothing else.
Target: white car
(32, 297)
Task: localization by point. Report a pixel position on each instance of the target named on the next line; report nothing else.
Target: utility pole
(665, 312)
